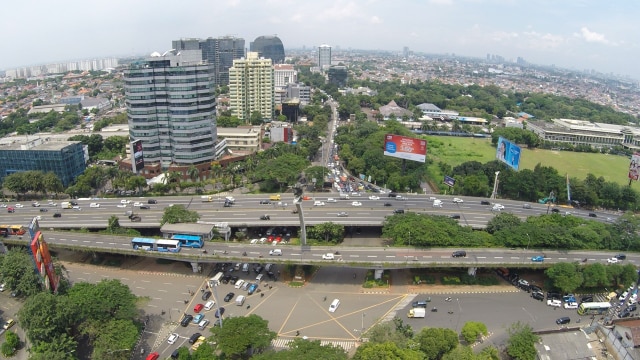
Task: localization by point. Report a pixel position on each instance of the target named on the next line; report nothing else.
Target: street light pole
(361, 332)
(495, 186)
(529, 242)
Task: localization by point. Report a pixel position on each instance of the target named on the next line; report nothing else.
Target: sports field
(456, 150)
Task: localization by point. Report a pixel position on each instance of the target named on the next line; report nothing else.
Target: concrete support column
(196, 267)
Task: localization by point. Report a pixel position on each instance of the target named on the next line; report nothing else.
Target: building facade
(299, 91)
(324, 57)
(244, 139)
(171, 107)
(251, 87)
(581, 132)
(269, 47)
(284, 74)
(338, 75)
(219, 52)
(66, 159)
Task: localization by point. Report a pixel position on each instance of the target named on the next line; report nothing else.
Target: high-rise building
(171, 107)
(269, 47)
(284, 74)
(338, 75)
(324, 57)
(251, 87)
(220, 52)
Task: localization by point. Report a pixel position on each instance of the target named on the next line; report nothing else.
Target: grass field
(457, 150)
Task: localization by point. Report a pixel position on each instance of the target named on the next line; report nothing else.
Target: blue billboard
(448, 180)
(508, 153)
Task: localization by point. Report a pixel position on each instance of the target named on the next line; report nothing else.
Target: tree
(305, 349)
(113, 225)
(243, 334)
(178, 214)
(385, 351)
(435, 342)
(395, 332)
(44, 316)
(503, 221)
(18, 273)
(521, 342)
(10, 345)
(565, 276)
(52, 183)
(256, 118)
(472, 330)
(113, 337)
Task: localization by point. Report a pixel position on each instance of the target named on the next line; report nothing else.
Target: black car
(265, 217)
(186, 320)
(555, 210)
(194, 338)
(206, 295)
(234, 279)
(586, 298)
(145, 207)
(459, 253)
(625, 313)
(392, 195)
(74, 203)
(554, 295)
(219, 312)
(387, 204)
(258, 269)
(43, 210)
(152, 201)
(225, 279)
(265, 202)
(563, 320)
(632, 307)
(455, 216)
(621, 257)
(537, 295)
(229, 297)
(593, 215)
(485, 202)
(57, 215)
(398, 211)
(535, 288)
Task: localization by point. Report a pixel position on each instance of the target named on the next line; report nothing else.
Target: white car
(613, 260)
(2, 286)
(356, 203)
(239, 284)
(209, 305)
(262, 240)
(52, 203)
(124, 201)
(19, 205)
(332, 200)
(3, 205)
(497, 207)
(328, 256)
(172, 338)
(554, 302)
(77, 208)
(318, 203)
(38, 217)
(373, 197)
(458, 200)
(571, 305)
(253, 241)
(137, 204)
(122, 205)
(94, 205)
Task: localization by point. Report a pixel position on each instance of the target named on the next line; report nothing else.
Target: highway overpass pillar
(196, 267)
(297, 202)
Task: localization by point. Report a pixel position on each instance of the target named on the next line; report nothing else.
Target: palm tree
(174, 178)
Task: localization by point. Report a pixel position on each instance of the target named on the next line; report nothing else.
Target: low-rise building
(244, 139)
(582, 132)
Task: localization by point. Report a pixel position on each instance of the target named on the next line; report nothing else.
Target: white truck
(417, 313)
(437, 203)
(206, 198)
(344, 196)
(66, 205)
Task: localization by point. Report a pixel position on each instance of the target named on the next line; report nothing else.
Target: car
(206, 295)
(135, 218)
(51, 203)
(124, 201)
(245, 286)
(253, 241)
(342, 214)
(229, 296)
(537, 295)
(137, 204)
(152, 201)
(2, 287)
(538, 258)
(197, 318)
(459, 253)
(554, 210)
(239, 284)
(485, 202)
(454, 216)
(554, 303)
(569, 298)
(186, 320)
(265, 217)
(553, 295)
(38, 217)
(219, 312)
(523, 284)
(613, 260)
(193, 338)
(328, 256)
(318, 203)
(392, 195)
(145, 207)
(621, 257)
(203, 324)
(610, 219)
(571, 305)
(563, 320)
(535, 288)
(592, 214)
(497, 207)
(275, 252)
(458, 200)
(43, 210)
(121, 205)
(55, 215)
(172, 338)
(373, 197)
(198, 308)
(265, 202)
(19, 205)
(398, 211)
(35, 204)
(625, 313)
(526, 206)
(252, 288)
(586, 298)
(225, 279)
(331, 200)
(94, 205)
(400, 197)
(77, 208)
(632, 307)
(262, 240)
(387, 204)
(209, 305)
(356, 203)
(234, 279)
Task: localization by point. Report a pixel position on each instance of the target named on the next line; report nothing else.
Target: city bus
(12, 230)
(164, 245)
(191, 241)
(593, 308)
(143, 244)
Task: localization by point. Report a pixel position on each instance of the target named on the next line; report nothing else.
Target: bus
(143, 244)
(593, 308)
(165, 245)
(12, 230)
(191, 241)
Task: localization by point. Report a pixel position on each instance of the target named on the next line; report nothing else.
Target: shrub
(450, 280)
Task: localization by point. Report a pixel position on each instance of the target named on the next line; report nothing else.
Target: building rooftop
(239, 131)
(564, 346)
(42, 144)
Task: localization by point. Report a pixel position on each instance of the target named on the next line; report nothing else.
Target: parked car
(172, 338)
(219, 312)
(571, 305)
(229, 296)
(586, 298)
(198, 308)
(209, 305)
(206, 295)
(554, 302)
(193, 338)
(197, 318)
(186, 320)
(252, 288)
(537, 295)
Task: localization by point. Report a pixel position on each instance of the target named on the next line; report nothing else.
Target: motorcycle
(448, 299)
(244, 253)
(434, 310)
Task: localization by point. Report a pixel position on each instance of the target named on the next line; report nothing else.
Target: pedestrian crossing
(283, 343)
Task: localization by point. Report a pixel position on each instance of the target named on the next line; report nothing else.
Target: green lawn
(456, 150)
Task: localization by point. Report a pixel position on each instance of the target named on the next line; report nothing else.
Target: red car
(270, 238)
(198, 308)
(153, 356)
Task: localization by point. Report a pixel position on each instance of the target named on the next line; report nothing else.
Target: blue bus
(165, 245)
(191, 241)
(143, 244)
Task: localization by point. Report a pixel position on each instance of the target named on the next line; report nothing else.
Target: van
(245, 268)
(334, 305)
(563, 320)
(419, 304)
(437, 203)
(274, 197)
(259, 277)
(240, 300)
(216, 280)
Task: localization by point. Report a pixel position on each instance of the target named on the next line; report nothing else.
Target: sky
(576, 34)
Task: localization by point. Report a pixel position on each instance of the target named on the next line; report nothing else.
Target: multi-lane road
(247, 211)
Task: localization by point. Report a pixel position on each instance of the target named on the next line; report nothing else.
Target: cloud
(375, 20)
(590, 36)
(543, 41)
(441, 2)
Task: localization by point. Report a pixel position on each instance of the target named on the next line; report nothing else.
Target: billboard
(403, 147)
(508, 153)
(43, 261)
(137, 157)
(448, 180)
(634, 167)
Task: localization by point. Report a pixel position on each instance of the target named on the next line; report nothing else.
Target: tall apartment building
(220, 52)
(251, 87)
(171, 107)
(284, 74)
(324, 57)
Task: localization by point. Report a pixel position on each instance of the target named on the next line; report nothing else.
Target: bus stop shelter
(204, 231)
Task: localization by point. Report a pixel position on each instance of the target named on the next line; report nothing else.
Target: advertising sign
(634, 167)
(138, 157)
(448, 180)
(405, 147)
(508, 153)
(44, 264)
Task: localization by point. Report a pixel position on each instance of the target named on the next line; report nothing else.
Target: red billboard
(43, 261)
(403, 147)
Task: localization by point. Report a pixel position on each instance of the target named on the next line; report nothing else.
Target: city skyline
(577, 34)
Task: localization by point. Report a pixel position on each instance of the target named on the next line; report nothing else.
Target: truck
(206, 198)
(344, 196)
(275, 197)
(66, 205)
(417, 313)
